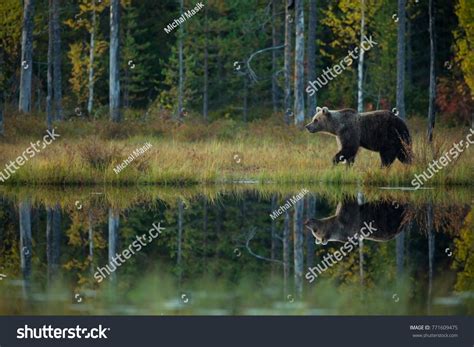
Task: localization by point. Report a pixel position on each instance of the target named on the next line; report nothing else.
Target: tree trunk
(181, 72)
(401, 59)
(298, 254)
(431, 248)
(2, 62)
(246, 100)
(286, 252)
(53, 239)
(361, 261)
(205, 222)
(90, 100)
(58, 109)
(91, 243)
(26, 69)
(288, 23)
(432, 95)
(205, 95)
(311, 100)
(310, 213)
(299, 62)
(400, 252)
(113, 237)
(114, 73)
(2, 127)
(25, 244)
(360, 69)
(49, 77)
(409, 67)
(180, 238)
(273, 227)
(274, 57)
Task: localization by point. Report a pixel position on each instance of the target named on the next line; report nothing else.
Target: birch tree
(49, 74)
(205, 94)
(180, 62)
(299, 62)
(360, 68)
(311, 100)
(432, 93)
(113, 237)
(26, 69)
(25, 243)
(401, 59)
(114, 73)
(2, 81)
(298, 246)
(274, 56)
(288, 23)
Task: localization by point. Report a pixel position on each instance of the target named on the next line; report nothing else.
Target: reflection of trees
(445, 218)
(113, 238)
(53, 239)
(298, 246)
(26, 250)
(203, 235)
(82, 242)
(464, 256)
(431, 248)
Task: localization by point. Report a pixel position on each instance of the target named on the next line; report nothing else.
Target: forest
(118, 114)
(233, 80)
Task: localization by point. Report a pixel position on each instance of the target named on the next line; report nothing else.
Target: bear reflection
(385, 216)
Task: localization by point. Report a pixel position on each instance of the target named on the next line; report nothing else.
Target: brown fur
(387, 217)
(378, 131)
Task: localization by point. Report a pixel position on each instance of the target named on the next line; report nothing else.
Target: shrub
(99, 155)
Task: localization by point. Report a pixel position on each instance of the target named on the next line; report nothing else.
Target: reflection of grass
(193, 153)
(125, 197)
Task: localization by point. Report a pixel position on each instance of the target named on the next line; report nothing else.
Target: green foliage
(464, 37)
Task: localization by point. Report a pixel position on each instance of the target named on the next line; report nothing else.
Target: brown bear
(385, 217)
(379, 131)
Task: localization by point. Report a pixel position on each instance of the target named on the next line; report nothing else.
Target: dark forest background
(212, 47)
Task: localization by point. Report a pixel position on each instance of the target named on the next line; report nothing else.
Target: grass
(224, 151)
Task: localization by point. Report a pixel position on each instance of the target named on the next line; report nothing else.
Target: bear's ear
(318, 109)
(325, 110)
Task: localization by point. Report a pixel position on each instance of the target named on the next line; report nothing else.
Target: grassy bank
(224, 151)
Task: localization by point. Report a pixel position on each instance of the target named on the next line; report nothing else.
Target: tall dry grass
(87, 152)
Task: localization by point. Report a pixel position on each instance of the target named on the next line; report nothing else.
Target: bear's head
(322, 121)
(318, 230)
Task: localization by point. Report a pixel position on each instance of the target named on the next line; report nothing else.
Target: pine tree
(137, 77)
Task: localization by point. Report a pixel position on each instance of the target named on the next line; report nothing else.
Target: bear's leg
(388, 156)
(346, 156)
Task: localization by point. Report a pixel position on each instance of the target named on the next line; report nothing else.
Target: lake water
(219, 252)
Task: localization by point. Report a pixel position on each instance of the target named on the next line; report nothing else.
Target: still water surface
(220, 252)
